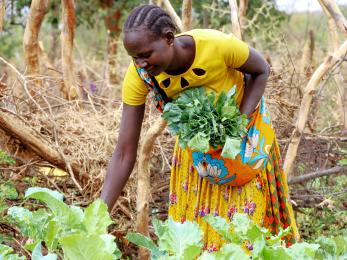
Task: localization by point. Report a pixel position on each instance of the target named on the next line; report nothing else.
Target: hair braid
(153, 17)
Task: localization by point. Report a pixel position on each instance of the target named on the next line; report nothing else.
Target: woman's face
(153, 54)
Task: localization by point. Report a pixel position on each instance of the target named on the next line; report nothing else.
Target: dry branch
(26, 135)
(143, 181)
(329, 62)
(38, 9)
(235, 19)
(49, 64)
(187, 15)
(173, 14)
(334, 43)
(67, 38)
(313, 175)
(336, 14)
(2, 13)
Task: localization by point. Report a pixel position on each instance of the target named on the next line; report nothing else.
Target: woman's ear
(169, 37)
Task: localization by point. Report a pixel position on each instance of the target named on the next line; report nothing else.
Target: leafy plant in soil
(200, 123)
(80, 234)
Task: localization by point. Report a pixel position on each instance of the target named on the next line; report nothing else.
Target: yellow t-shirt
(215, 52)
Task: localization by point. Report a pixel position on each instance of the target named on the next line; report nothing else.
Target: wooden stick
(38, 9)
(334, 43)
(2, 13)
(235, 19)
(314, 175)
(67, 38)
(329, 63)
(173, 14)
(187, 15)
(304, 59)
(336, 14)
(143, 181)
(160, 3)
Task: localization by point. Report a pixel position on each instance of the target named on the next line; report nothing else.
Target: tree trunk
(187, 15)
(334, 43)
(38, 9)
(235, 19)
(329, 63)
(242, 13)
(67, 38)
(112, 24)
(2, 13)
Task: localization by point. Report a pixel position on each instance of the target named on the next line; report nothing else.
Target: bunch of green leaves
(81, 235)
(334, 248)
(6, 253)
(264, 244)
(6, 191)
(5, 159)
(199, 123)
(182, 242)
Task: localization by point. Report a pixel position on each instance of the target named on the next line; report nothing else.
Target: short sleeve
(234, 51)
(134, 91)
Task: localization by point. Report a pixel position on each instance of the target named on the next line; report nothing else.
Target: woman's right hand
(124, 156)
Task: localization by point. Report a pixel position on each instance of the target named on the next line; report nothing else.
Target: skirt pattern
(265, 199)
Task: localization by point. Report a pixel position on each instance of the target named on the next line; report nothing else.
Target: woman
(216, 61)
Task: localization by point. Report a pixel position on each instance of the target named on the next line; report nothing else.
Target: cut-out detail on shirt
(199, 72)
(166, 82)
(184, 83)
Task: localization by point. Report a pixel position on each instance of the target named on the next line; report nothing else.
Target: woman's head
(148, 34)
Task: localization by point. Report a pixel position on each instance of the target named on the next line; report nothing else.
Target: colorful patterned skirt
(265, 199)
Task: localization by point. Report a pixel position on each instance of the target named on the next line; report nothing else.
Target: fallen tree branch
(313, 175)
(25, 134)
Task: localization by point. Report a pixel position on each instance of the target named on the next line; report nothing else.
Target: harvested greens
(199, 123)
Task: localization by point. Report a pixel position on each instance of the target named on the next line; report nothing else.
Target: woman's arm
(124, 156)
(259, 70)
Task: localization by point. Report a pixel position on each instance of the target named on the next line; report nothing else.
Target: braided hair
(153, 17)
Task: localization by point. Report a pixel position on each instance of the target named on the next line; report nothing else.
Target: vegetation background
(294, 44)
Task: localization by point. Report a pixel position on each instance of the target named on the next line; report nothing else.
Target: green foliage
(6, 253)
(183, 241)
(81, 235)
(199, 123)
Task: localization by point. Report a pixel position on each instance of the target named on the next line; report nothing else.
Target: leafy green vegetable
(6, 253)
(37, 254)
(82, 235)
(201, 124)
